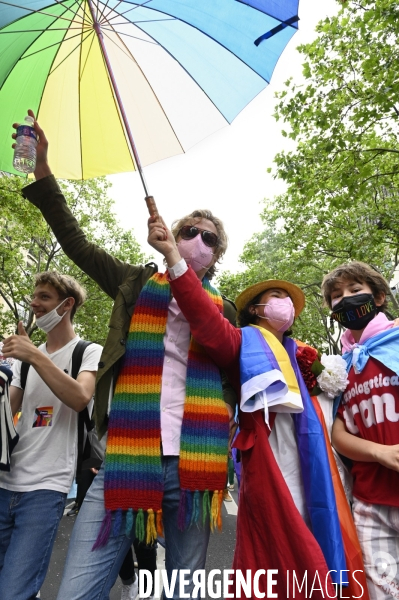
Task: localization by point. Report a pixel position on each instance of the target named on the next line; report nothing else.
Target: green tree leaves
(342, 177)
(345, 118)
(28, 247)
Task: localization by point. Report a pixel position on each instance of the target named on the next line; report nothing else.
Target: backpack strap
(83, 417)
(77, 357)
(24, 374)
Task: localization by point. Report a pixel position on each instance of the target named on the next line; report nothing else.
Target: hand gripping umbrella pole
(152, 207)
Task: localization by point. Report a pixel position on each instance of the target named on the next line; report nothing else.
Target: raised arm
(208, 326)
(74, 393)
(45, 194)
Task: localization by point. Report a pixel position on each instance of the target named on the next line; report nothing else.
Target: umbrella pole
(152, 207)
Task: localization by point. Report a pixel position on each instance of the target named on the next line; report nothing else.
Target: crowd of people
(181, 366)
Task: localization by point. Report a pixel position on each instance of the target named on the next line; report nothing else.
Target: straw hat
(296, 294)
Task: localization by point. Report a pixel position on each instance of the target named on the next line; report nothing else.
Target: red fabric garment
(271, 533)
(221, 340)
(370, 410)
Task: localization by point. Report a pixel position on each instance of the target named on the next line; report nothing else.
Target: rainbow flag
(312, 447)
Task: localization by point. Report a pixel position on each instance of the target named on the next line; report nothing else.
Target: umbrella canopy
(116, 83)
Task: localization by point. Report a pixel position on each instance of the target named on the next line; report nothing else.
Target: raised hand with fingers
(19, 346)
(42, 168)
(21, 329)
(162, 240)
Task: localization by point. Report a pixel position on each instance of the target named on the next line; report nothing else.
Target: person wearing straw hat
(287, 517)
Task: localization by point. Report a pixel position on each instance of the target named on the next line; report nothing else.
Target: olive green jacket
(119, 280)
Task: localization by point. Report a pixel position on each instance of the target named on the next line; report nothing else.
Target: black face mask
(355, 312)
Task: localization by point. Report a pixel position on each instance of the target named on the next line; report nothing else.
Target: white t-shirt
(45, 455)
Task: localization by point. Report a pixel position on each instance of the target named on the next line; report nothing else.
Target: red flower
(306, 356)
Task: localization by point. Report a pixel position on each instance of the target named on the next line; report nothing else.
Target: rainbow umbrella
(118, 84)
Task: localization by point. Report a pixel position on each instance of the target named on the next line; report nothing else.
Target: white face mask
(48, 321)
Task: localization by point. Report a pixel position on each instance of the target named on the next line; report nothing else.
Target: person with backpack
(160, 398)
(43, 462)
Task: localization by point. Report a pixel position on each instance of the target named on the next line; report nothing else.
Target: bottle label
(26, 131)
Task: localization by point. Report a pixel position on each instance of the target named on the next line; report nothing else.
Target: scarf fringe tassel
(149, 527)
(181, 514)
(189, 509)
(196, 510)
(117, 522)
(147, 532)
(151, 533)
(104, 532)
(140, 525)
(160, 531)
(129, 522)
(216, 510)
(206, 507)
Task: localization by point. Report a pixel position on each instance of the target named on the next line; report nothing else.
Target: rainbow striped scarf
(133, 469)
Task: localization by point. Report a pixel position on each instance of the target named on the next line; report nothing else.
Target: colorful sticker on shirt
(43, 416)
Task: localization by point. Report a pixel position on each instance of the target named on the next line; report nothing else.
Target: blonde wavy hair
(195, 217)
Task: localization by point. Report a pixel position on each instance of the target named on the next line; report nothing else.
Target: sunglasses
(188, 232)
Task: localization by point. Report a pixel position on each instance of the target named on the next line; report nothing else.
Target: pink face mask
(279, 312)
(196, 253)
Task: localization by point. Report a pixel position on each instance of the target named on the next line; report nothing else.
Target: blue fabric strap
(383, 347)
(277, 29)
(316, 473)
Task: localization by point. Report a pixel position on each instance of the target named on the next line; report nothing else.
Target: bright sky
(227, 171)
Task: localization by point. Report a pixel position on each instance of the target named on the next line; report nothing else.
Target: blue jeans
(90, 575)
(28, 526)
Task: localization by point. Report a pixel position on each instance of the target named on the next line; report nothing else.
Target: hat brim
(296, 294)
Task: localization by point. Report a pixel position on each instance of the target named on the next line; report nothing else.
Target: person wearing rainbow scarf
(168, 426)
(292, 516)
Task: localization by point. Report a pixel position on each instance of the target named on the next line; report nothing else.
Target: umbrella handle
(152, 207)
